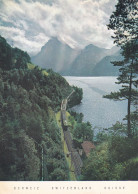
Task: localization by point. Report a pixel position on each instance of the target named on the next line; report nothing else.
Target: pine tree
(124, 22)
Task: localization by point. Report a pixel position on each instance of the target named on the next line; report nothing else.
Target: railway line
(75, 157)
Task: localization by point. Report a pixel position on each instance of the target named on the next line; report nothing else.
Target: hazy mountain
(91, 61)
(113, 51)
(105, 67)
(95, 61)
(87, 60)
(56, 55)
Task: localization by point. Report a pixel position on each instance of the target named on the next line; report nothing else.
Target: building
(87, 147)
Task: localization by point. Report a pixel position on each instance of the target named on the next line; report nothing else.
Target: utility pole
(42, 163)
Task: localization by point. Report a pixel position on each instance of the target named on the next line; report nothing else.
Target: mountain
(114, 51)
(105, 67)
(93, 61)
(87, 60)
(90, 61)
(56, 55)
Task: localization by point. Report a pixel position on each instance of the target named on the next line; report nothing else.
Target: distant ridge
(105, 67)
(87, 60)
(90, 61)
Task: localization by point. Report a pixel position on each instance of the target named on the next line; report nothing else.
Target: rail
(75, 157)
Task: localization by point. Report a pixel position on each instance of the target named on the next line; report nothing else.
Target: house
(87, 147)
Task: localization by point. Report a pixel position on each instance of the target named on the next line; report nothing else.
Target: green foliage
(123, 20)
(17, 154)
(118, 171)
(58, 174)
(131, 168)
(30, 66)
(101, 137)
(118, 129)
(28, 98)
(76, 97)
(96, 166)
(5, 54)
(127, 170)
(55, 160)
(12, 57)
(27, 108)
(77, 116)
(112, 161)
(122, 148)
(82, 132)
(124, 23)
(134, 122)
(115, 157)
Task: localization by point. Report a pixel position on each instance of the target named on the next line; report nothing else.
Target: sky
(29, 24)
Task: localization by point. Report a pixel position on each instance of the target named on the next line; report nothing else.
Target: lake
(99, 111)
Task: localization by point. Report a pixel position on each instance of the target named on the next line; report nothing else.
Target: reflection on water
(99, 111)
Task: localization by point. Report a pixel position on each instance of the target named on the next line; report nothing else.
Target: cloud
(31, 23)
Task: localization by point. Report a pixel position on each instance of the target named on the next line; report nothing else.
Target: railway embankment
(72, 175)
(76, 161)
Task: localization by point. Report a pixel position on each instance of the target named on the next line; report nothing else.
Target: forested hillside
(29, 134)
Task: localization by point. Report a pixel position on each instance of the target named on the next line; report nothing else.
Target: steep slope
(56, 55)
(29, 98)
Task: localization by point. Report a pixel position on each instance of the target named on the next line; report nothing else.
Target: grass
(67, 116)
(71, 123)
(44, 72)
(32, 66)
(65, 148)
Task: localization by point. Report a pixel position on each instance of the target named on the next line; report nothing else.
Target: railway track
(75, 157)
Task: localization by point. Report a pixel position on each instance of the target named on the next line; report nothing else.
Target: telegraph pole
(42, 163)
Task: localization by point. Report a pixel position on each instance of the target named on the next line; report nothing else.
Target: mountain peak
(54, 39)
(55, 54)
(92, 46)
(55, 42)
(59, 56)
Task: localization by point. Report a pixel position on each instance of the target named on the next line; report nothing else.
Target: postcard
(68, 96)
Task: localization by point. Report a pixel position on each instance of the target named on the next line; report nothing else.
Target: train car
(63, 114)
(64, 120)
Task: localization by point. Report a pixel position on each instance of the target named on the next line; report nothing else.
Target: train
(63, 114)
(75, 157)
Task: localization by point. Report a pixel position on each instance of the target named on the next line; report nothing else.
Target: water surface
(99, 111)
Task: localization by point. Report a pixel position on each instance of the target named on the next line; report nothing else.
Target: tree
(19, 160)
(76, 97)
(5, 54)
(124, 23)
(82, 132)
(28, 98)
(97, 166)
